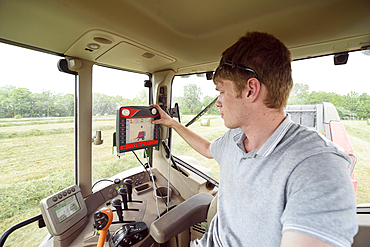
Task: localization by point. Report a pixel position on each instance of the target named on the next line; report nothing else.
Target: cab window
(113, 88)
(194, 93)
(36, 137)
(347, 87)
(317, 81)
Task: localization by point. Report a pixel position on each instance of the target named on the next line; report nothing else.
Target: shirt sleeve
(320, 200)
(215, 147)
(223, 145)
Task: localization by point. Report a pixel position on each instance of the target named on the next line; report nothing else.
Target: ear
(252, 89)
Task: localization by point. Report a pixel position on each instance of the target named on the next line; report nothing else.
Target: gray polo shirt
(297, 181)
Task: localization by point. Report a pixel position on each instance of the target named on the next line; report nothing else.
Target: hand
(165, 119)
(200, 144)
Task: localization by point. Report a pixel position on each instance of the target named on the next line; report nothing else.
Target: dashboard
(140, 206)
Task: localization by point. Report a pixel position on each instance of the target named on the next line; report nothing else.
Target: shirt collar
(269, 146)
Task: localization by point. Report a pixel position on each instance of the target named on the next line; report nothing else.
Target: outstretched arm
(198, 143)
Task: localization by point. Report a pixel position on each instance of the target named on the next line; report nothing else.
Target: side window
(36, 137)
(113, 88)
(317, 83)
(347, 87)
(193, 93)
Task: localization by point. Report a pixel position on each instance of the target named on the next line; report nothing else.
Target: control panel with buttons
(136, 180)
(63, 209)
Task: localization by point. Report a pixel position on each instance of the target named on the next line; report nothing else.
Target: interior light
(93, 46)
(148, 55)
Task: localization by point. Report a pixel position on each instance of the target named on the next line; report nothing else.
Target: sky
(322, 75)
(37, 72)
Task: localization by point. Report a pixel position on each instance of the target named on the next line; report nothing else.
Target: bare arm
(296, 239)
(198, 143)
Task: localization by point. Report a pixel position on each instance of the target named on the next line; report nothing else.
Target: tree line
(349, 106)
(193, 103)
(22, 102)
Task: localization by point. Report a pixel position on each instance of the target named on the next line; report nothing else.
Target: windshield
(113, 88)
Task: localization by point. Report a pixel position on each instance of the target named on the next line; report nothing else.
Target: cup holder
(162, 192)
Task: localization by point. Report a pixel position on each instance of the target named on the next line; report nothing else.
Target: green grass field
(37, 160)
(359, 136)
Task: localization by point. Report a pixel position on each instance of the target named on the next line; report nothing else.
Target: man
(280, 183)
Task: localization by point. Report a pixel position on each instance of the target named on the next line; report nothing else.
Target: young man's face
(233, 109)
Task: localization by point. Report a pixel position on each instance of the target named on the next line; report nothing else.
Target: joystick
(103, 219)
(129, 234)
(117, 203)
(123, 193)
(128, 183)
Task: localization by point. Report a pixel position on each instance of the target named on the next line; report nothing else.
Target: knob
(154, 111)
(125, 112)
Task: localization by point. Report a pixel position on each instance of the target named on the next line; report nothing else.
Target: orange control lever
(103, 219)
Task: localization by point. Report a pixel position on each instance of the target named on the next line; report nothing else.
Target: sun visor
(135, 57)
(116, 51)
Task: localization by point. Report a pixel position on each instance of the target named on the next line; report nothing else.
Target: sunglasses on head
(239, 67)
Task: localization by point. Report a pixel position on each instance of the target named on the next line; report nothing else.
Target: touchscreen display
(139, 129)
(66, 208)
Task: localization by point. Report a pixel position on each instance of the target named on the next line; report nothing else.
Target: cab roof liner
(184, 36)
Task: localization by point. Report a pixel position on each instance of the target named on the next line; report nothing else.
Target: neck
(261, 127)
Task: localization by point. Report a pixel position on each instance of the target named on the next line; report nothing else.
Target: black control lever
(117, 203)
(128, 183)
(175, 112)
(123, 193)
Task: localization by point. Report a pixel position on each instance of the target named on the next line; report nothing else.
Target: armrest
(190, 212)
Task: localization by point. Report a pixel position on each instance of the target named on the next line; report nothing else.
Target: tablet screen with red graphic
(135, 128)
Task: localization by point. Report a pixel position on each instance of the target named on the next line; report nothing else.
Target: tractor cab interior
(81, 147)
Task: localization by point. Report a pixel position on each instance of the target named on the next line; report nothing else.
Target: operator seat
(203, 207)
(190, 212)
(212, 210)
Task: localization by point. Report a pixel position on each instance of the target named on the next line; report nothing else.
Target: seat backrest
(212, 211)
